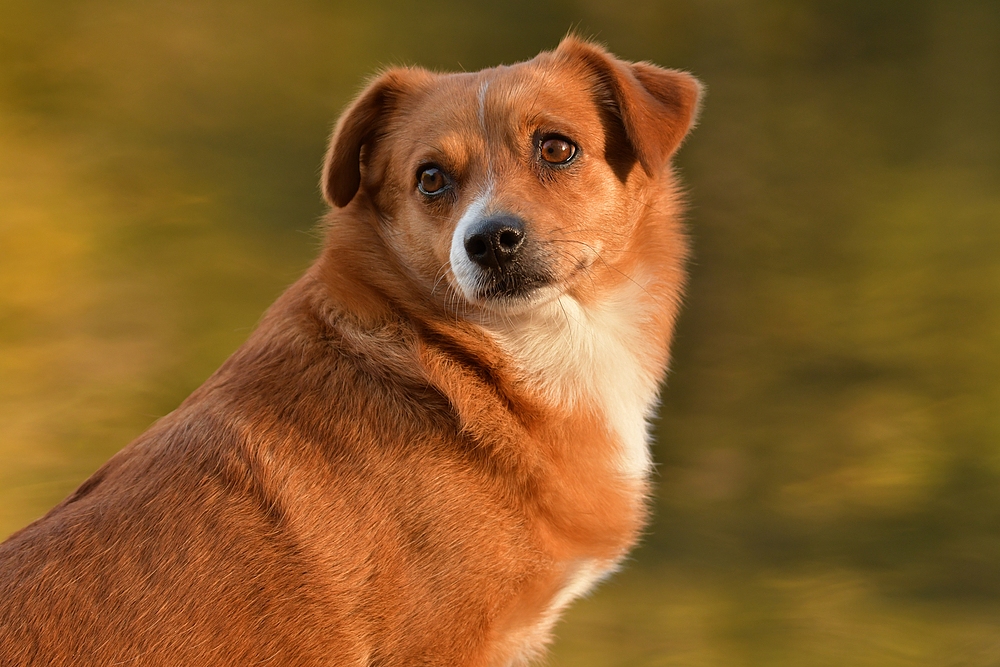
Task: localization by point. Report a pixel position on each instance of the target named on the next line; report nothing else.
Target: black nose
(495, 242)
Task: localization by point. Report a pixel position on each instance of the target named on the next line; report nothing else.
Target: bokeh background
(829, 444)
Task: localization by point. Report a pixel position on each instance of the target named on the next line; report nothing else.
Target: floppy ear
(655, 106)
(360, 126)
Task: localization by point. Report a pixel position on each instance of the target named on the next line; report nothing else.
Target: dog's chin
(508, 294)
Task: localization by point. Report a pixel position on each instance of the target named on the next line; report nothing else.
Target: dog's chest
(598, 358)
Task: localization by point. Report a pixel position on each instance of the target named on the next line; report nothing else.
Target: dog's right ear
(360, 127)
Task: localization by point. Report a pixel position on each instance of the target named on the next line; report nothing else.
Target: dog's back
(242, 527)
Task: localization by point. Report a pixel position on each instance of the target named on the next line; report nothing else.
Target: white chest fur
(594, 354)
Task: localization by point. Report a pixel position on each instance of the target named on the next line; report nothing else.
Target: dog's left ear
(360, 127)
(656, 106)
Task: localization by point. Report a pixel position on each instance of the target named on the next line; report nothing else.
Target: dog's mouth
(510, 286)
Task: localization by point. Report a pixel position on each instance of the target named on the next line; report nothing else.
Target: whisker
(609, 266)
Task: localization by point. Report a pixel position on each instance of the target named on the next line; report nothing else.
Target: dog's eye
(556, 150)
(432, 181)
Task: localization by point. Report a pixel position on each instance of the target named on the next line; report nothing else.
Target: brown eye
(431, 181)
(556, 150)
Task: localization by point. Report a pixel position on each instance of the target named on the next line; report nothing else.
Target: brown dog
(436, 439)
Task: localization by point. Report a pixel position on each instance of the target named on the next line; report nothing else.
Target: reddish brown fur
(374, 479)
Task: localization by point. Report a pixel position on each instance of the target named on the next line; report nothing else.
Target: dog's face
(499, 189)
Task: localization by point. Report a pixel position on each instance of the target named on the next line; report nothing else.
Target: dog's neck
(601, 354)
(592, 356)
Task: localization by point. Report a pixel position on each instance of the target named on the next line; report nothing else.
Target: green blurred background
(829, 447)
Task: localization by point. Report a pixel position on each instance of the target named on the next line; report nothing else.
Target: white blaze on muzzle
(467, 274)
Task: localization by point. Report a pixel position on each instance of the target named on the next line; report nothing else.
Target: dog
(434, 440)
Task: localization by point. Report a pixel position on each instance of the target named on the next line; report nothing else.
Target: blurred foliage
(829, 480)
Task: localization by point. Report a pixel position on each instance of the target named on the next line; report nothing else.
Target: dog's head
(498, 189)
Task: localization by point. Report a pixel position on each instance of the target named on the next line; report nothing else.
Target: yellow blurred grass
(821, 617)
(58, 369)
(111, 310)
